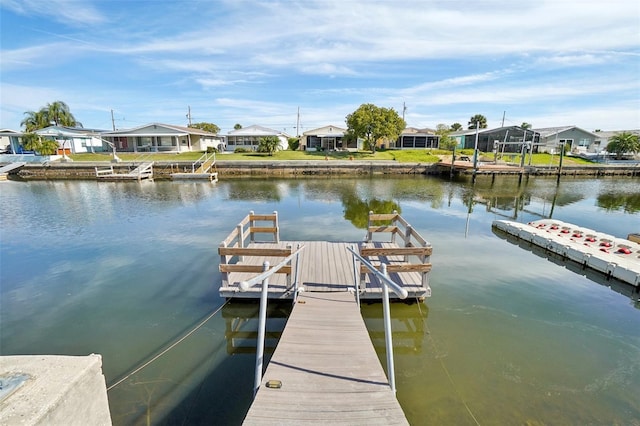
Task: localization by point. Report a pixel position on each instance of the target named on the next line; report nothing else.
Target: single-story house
(10, 142)
(73, 140)
(157, 137)
(578, 140)
(249, 137)
(328, 138)
(503, 139)
(602, 139)
(413, 138)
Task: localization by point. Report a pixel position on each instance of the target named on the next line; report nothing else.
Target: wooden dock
(324, 265)
(327, 368)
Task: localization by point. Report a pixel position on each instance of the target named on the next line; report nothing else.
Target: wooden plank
(400, 251)
(328, 368)
(393, 229)
(254, 251)
(271, 217)
(251, 268)
(263, 229)
(401, 267)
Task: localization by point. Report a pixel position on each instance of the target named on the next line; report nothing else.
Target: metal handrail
(264, 278)
(401, 293)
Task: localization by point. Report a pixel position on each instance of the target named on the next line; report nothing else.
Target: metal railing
(262, 324)
(387, 283)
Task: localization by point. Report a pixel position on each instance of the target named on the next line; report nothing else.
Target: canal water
(509, 336)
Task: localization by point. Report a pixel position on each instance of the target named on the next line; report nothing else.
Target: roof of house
(326, 131)
(172, 130)
(415, 130)
(552, 131)
(255, 130)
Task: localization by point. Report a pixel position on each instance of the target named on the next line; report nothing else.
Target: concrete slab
(53, 390)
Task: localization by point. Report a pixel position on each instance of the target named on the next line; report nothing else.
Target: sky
(295, 66)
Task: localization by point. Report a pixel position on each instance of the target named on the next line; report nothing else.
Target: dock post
(261, 331)
(387, 330)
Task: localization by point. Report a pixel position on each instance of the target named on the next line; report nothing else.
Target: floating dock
(614, 257)
(324, 266)
(325, 368)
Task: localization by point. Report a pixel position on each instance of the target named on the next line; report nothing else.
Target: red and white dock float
(615, 257)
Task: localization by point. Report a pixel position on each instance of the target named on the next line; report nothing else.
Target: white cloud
(76, 12)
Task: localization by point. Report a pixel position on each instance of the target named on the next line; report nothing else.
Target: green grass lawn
(402, 156)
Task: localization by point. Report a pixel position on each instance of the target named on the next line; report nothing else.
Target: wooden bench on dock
(324, 265)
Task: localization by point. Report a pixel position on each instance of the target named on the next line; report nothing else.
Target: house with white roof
(158, 137)
(248, 138)
(10, 141)
(579, 141)
(73, 140)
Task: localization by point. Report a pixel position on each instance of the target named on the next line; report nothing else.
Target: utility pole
(189, 114)
(404, 109)
(113, 122)
(298, 124)
(503, 114)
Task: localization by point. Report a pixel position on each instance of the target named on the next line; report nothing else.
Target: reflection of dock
(609, 261)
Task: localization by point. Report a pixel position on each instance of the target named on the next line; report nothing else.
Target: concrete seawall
(53, 390)
(163, 170)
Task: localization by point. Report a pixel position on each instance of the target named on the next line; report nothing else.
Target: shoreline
(296, 168)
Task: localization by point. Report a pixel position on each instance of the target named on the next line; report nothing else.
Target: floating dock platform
(325, 266)
(614, 257)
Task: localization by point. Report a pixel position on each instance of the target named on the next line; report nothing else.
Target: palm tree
(34, 120)
(622, 143)
(455, 127)
(269, 144)
(59, 114)
(525, 125)
(478, 119)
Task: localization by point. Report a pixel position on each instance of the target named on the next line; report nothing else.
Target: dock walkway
(328, 369)
(325, 368)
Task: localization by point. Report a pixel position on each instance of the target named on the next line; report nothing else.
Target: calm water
(509, 337)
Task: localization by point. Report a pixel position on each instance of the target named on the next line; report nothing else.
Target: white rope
(176, 343)
(444, 367)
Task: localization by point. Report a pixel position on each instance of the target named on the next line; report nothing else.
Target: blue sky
(548, 63)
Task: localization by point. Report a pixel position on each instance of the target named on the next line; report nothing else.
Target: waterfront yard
(403, 156)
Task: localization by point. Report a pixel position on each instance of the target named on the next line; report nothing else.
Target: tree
(34, 120)
(207, 127)
(34, 142)
(56, 113)
(622, 143)
(375, 124)
(456, 126)
(269, 144)
(525, 125)
(59, 114)
(294, 143)
(446, 141)
(237, 126)
(478, 118)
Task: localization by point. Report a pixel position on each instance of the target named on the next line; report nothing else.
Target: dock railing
(387, 284)
(236, 246)
(262, 324)
(413, 244)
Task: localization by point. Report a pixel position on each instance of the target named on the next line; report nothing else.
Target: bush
(212, 150)
(241, 150)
